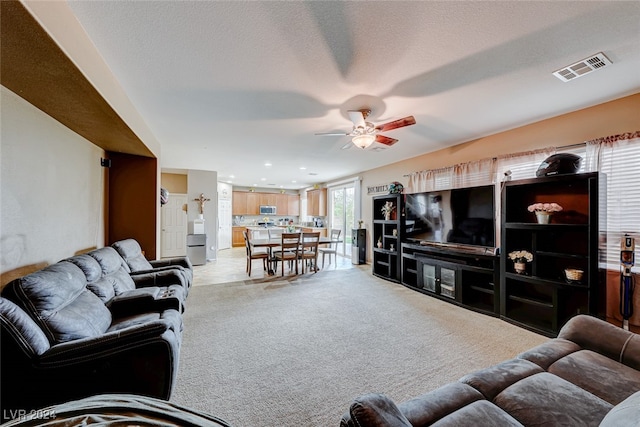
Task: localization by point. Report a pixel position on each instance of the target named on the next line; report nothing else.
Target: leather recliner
(136, 263)
(60, 342)
(123, 293)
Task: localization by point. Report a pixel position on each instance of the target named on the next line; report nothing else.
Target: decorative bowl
(573, 274)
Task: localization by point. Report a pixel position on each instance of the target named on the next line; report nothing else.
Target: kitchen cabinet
(239, 203)
(248, 203)
(317, 202)
(282, 204)
(253, 204)
(322, 231)
(237, 239)
(293, 205)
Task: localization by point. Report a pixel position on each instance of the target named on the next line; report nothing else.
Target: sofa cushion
(22, 328)
(546, 399)
(113, 271)
(131, 252)
(491, 381)
(624, 414)
(57, 299)
(427, 408)
(376, 409)
(93, 272)
(481, 413)
(547, 353)
(590, 370)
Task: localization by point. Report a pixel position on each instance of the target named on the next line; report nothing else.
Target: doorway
(342, 215)
(173, 238)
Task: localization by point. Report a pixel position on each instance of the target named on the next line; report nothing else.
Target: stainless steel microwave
(267, 210)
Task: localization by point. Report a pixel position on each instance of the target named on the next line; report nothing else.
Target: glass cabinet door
(447, 282)
(429, 277)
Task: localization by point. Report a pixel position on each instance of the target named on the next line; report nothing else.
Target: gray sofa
(588, 376)
(84, 326)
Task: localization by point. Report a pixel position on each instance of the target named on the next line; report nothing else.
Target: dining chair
(288, 251)
(333, 247)
(309, 249)
(275, 232)
(254, 253)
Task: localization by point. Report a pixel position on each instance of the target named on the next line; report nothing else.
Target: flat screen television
(457, 217)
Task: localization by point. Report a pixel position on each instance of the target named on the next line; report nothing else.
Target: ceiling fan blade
(357, 117)
(385, 140)
(333, 134)
(407, 121)
(347, 146)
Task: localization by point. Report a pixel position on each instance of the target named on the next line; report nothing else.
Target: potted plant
(379, 242)
(543, 211)
(520, 260)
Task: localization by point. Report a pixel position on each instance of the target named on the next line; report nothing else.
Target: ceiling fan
(364, 133)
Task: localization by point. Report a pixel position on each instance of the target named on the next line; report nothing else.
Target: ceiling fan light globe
(363, 141)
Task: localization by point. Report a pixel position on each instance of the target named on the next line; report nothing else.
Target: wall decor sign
(378, 189)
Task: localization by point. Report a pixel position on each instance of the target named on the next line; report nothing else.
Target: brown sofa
(591, 371)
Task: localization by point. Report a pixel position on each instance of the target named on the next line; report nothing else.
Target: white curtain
(617, 158)
(471, 174)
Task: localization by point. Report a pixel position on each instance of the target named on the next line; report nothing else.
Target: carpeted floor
(296, 352)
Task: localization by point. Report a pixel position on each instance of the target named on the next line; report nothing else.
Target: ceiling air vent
(580, 68)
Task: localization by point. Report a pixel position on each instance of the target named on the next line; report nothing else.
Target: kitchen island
(260, 231)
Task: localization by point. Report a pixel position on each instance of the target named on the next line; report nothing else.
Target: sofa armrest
(162, 277)
(374, 410)
(141, 300)
(140, 359)
(620, 345)
(173, 262)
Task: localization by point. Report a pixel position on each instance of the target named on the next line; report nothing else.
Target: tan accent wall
(174, 183)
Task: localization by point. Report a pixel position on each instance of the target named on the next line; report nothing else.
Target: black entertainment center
(445, 244)
(448, 248)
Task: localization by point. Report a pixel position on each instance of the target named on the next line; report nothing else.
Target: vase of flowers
(386, 210)
(520, 260)
(544, 211)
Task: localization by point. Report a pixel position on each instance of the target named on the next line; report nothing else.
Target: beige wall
(174, 183)
(52, 188)
(610, 118)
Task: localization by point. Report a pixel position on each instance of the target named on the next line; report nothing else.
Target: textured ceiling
(229, 86)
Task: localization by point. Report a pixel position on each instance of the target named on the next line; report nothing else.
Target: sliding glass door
(342, 215)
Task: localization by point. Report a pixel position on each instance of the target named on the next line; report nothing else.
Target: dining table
(274, 242)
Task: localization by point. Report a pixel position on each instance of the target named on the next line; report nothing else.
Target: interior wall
(174, 183)
(611, 118)
(134, 201)
(206, 183)
(51, 191)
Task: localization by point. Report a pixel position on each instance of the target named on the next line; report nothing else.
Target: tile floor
(231, 263)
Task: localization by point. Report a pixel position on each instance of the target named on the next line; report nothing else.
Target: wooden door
(174, 226)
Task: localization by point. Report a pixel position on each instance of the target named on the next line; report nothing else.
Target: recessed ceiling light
(232, 176)
(263, 179)
(294, 181)
(267, 164)
(302, 168)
